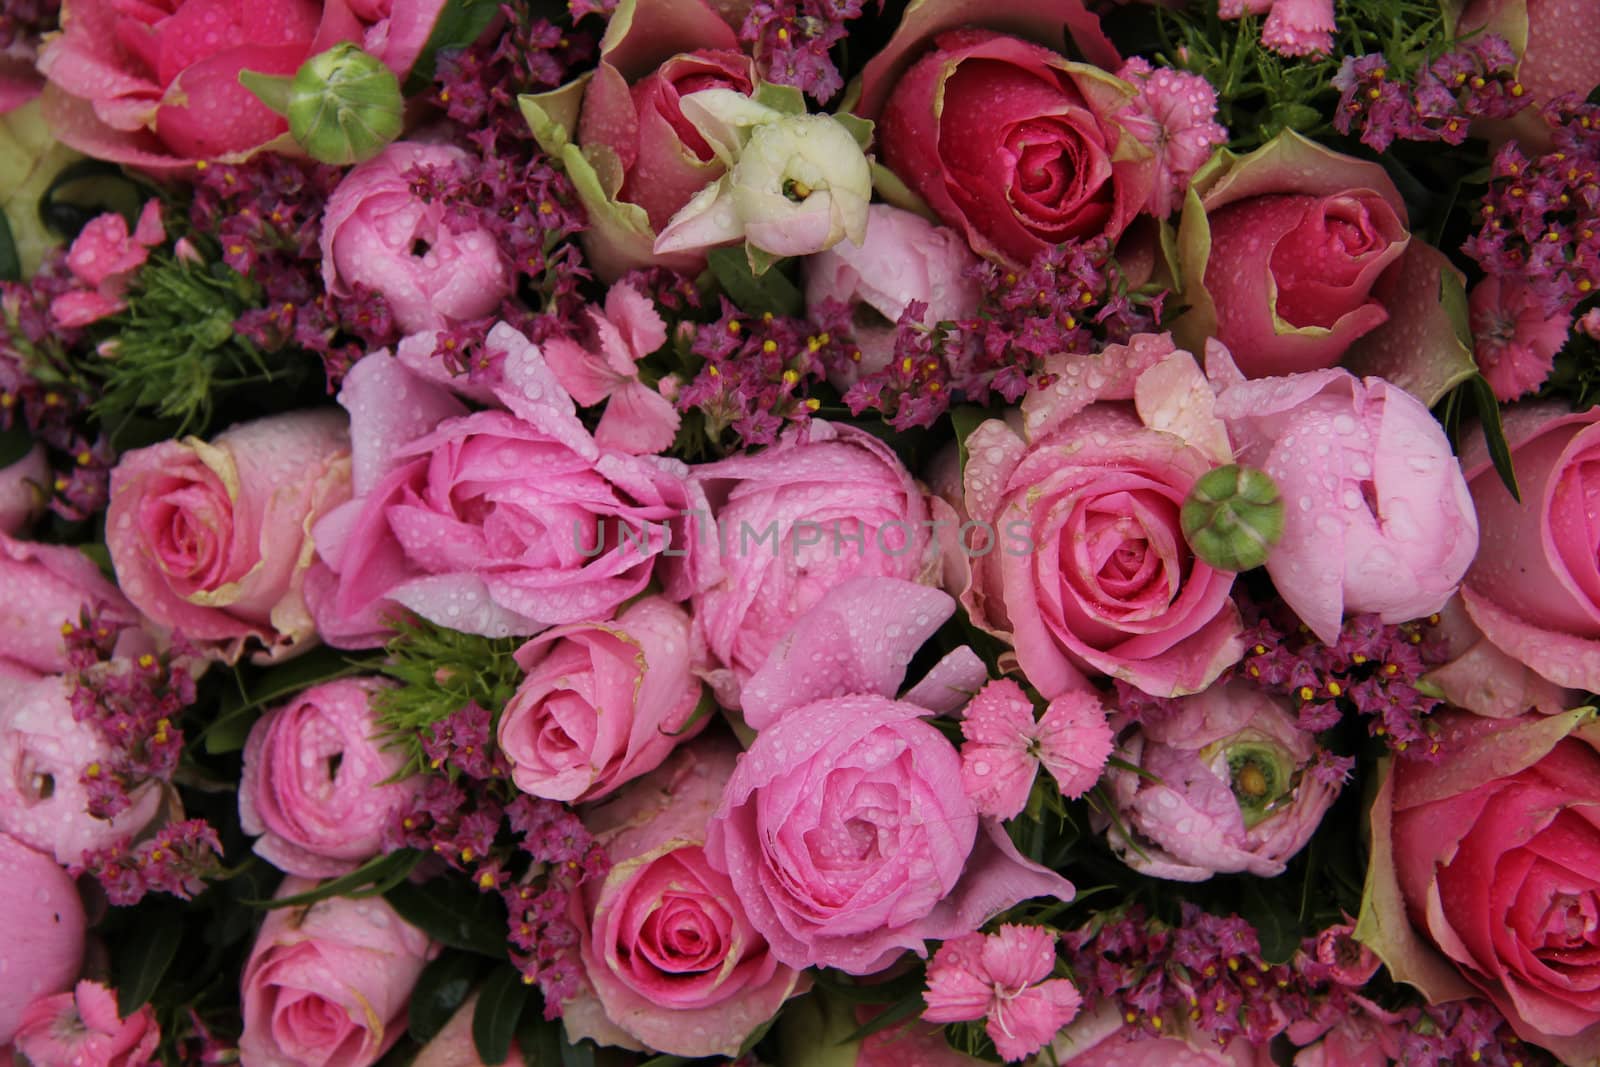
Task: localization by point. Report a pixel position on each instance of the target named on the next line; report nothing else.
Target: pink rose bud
(44, 797)
(48, 587)
(673, 961)
(211, 538)
(83, 1028)
(1377, 517)
(41, 931)
(376, 232)
(317, 782)
(1223, 784)
(904, 258)
(327, 984)
(602, 703)
(23, 491)
(792, 523)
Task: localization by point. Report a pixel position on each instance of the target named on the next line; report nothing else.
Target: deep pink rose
(1071, 526)
(904, 258)
(44, 755)
(23, 490)
(602, 702)
(793, 522)
(1492, 853)
(1534, 588)
(317, 785)
(327, 984)
(1377, 517)
(674, 963)
(41, 927)
(1223, 784)
(1015, 146)
(376, 232)
(211, 538)
(47, 587)
(83, 1028)
(498, 522)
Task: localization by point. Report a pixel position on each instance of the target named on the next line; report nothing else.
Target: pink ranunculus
(1485, 873)
(1102, 1038)
(327, 984)
(826, 504)
(44, 755)
(499, 522)
(377, 233)
(1223, 783)
(83, 1028)
(1516, 334)
(1071, 526)
(1534, 588)
(1282, 250)
(1174, 116)
(905, 258)
(1377, 517)
(211, 538)
(1015, 146)
(23, 491)
(601, 703)
(674, 963)
(47, 587)
(317, 783)
(41, 926)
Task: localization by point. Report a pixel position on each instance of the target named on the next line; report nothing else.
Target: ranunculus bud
(1232, 517)
(344, 106)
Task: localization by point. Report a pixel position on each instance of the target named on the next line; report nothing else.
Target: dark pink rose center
(1121, 557)
(307, 1023)
(1570, 921)
(679, 77)
(188, 529)
(681, 937)
(1325, 266)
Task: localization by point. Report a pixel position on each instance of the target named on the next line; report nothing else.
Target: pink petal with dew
(638, 420)
(950, 683)
(1567, 660)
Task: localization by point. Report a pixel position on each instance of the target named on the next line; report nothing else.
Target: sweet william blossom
(1005, 746)
(1174, 116)
(1004, 978)
(83, 1028)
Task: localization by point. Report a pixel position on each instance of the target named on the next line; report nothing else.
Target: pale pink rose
(637, 417)
(24, 488)
(327, 984)
(1005, 746)
(82, 1028)
(1516, 334)
(47, 587)
(601, 703)
(1071, 526)
(103, 259)
(499, 522)
(378, 233)
(1003, 978)
(904, 258)
(211, 538)
(844, 829)
(453, 1046)
(317, 781)
(1293, 27)
(1174, 116)
(41, 926)
(826, 504)
(1377, 517)
(674, 963)
(1223, 783)
(44, 754)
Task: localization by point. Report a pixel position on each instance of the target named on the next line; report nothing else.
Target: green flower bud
(344, 106)
(1233, 517)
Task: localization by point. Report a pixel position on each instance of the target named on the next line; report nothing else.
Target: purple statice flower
(791, 39)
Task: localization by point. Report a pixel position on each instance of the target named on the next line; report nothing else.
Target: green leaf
(1273, 917)
(143, 960)
(784, 98)
(382, 872)
(271, 89)
(860, 129)
(441, 988)
(910, 1006)
(452, 911)
(500, 1005)
(540, 1040)
(10, 261)
(772, 291)
(241, 703)
(579, 1054)
(965, 418)
(1494, 434)
(459, 24)
(15, 442)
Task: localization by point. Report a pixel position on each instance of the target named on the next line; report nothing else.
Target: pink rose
(1101, 1039)
(673, 960)
(601, 704)
(317, 785)
(327, 984)
(47, 587)
(211, 539)
(498, 522)
(24, 488)
(379, 234)
(1377, 517)
(44, 755)
(1493, 855)
(1534, 588)
(792, 523)
(1071, 526)
(1015, 146)
(41, 927)
(844, 829)
(83, 1028)
(904, 258)
(1484, 680)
